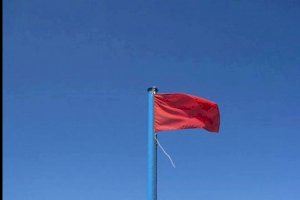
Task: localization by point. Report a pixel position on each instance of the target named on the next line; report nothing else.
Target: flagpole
(152, 148)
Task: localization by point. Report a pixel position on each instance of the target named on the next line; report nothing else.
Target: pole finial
(152, 89)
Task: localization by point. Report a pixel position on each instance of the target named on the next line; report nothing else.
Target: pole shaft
(152, 148)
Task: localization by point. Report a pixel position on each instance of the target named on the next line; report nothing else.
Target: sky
(75, 81)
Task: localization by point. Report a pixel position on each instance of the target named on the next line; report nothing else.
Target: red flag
(183, 111)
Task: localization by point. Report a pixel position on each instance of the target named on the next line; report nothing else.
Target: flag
(183, 111)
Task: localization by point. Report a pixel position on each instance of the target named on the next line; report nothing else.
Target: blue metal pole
(152, 148)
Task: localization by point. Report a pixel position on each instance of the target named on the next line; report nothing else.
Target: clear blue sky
(75, 100)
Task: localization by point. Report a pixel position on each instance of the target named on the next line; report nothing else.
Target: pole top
(152, 89)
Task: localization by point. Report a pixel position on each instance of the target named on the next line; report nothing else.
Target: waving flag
(183, 111)
(168, 112)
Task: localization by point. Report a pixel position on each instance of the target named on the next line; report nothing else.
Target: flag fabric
(183, 111)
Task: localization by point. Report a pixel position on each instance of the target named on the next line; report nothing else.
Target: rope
(173, 164)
